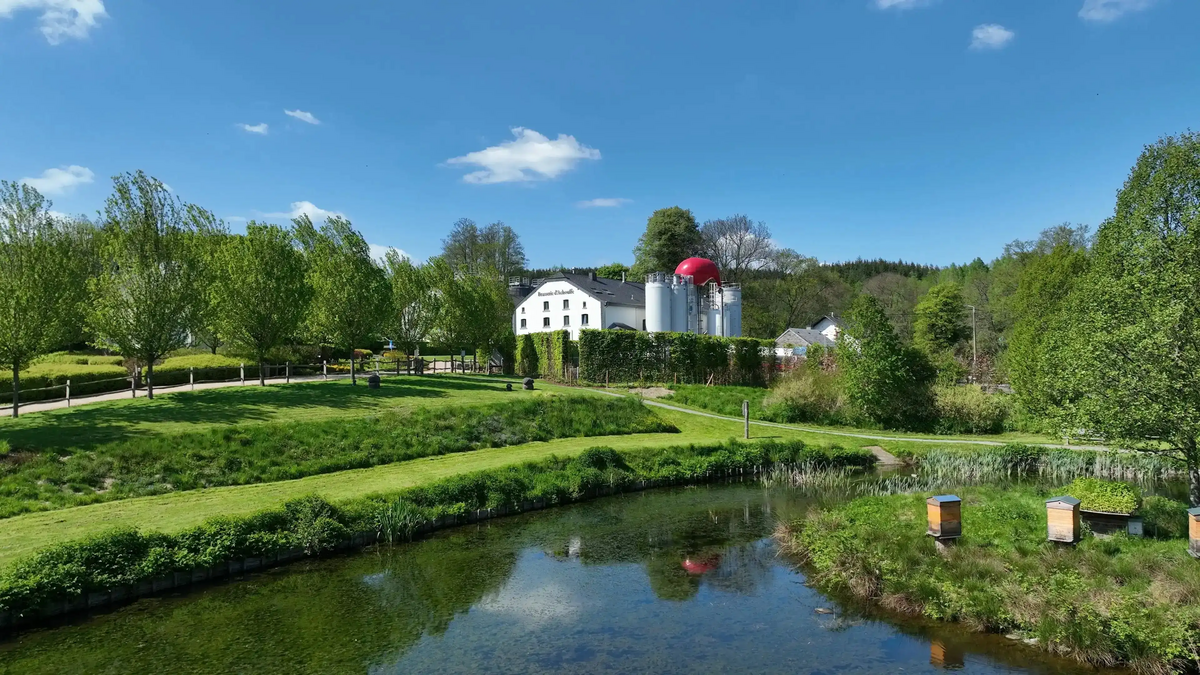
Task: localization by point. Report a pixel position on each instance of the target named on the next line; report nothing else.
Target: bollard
(324, 370)
(944, 513)
(192, 377)
(1194, 532)
(746, 417)
(242, 373)
(68, 393)
(133, 385)
(287, 372)
(1062, 519)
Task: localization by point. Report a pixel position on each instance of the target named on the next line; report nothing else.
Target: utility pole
(974, 349)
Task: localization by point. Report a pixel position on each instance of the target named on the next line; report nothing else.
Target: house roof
(611, 291)
(831, 319)
(803, 337)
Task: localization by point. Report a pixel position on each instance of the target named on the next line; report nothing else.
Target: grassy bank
(125, 557)
(1121, 600)
(146, 464)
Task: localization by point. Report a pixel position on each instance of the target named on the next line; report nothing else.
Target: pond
(679, 580)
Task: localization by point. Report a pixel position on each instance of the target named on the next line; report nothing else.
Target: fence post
(133, 383)
(324, 370)
(287, 372)
(192, 377)
(68, 393)
(746, 417)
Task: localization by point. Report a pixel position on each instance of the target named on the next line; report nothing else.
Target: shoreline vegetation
(121, 564)
(1120, 600)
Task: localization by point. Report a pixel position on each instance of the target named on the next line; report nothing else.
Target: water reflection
(666, 581)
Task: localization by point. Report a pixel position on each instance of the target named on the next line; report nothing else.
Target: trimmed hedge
(85, 379)
(547, 355)
(125, 557)
(608, 356)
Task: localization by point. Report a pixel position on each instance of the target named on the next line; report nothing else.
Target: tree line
(154, 274)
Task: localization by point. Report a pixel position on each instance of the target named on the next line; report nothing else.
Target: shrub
(968, 410)
(1164, 518)
(85, 379)
(178, 369)
(619, 356)
(1095, 494)
(807, 394)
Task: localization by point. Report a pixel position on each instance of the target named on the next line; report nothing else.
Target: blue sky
(932, 131)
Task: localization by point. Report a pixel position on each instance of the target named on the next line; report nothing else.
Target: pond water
(672, 581)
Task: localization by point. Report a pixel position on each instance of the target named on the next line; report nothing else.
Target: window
(585, 304)
(545, 322)
(522, 309)
(566, 321)
(583, 321)
(566, 304)
(546, 306)
(522, 323)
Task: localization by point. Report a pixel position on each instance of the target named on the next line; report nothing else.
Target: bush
(85, 380)
(1095, 494)
(178, 369)
(122, 557)
(807, 394)
(968, 410)
(1164, 518)
(620, 356)
(546, 355)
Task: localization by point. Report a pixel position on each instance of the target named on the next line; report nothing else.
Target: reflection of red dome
(696, 567)
(701, 270)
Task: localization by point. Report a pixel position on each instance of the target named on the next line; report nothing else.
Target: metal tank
(693, 308)
(658, 303)
(679, 286)
(715, 325)
(731, 310)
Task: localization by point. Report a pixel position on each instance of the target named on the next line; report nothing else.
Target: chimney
(622, 277)
(592, 276)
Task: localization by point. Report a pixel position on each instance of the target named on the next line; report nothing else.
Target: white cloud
(235, 219)
(991, 36)
(60, 181)
(531, 156)
(260, 128)
(314, 212)
(603, 202)
(302, 116)
(1111, 10)
(61, 20)
(901, 4)
(379, 252)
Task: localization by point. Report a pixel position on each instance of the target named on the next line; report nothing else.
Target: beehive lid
(942, 499)
(1064, 500)
(1194, 511)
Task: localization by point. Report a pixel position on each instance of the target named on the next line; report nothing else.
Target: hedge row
(607, 356)
(121, 558)
(548, 355)
(85, 379)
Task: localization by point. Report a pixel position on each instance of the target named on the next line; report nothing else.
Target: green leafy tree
(887, 382)
(261, 292)
(209, 236)
(351, 298)
(612, 271)
(474, 251)
(145, 297)
(794, 293)
(39, 293)
(415, 301)
(475, 311)
(671, 236)
(939, 324)
(1133, 358)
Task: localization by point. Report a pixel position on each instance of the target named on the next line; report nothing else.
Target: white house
(796, 341)
(573, 302)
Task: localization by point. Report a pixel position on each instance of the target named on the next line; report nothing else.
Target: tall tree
(939, 324)
(145, 297)
(671, 236)
(351, 297)
(898, 296)
(415, 301)
(474, 311)
(737, 245)
(209, 236)
(495, 249)
(38, 291)
(885, 381)
(261, 292)
(1133, 361)
(793, 293)
(614, 270)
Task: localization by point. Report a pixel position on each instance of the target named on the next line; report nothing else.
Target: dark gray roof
(612, 291)
(802, 337)
(832, 319)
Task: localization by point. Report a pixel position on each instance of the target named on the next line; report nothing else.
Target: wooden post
(192, 377)
(397, 365)
(1194, 532)
(133, 383)
(242, 373)
(1062, 519)
(68, 393)
(746, 417)
(324, 370)
(287, 372)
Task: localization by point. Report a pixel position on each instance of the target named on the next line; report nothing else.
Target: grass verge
(1121, 600)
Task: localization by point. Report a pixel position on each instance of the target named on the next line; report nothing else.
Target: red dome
(701, 270)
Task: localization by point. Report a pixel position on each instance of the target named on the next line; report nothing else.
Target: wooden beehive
(945, 516)
(1194, 531)
(1062, 519)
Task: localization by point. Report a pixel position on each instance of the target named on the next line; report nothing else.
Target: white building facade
(573, 302)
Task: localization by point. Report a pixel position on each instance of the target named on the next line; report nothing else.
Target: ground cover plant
(1095, 494)
(1110, 601)
(43, 478)
(127, 556)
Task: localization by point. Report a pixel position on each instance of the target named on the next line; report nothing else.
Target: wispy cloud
(302, 116)
(1104, 11)
(531, 156)
(603, 202)
(61, 180)
(314, 212)
(260, 128)
(901, 4)
(61, 20)
(991, 36)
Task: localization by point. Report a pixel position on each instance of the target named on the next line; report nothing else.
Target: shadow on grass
(112, 421)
